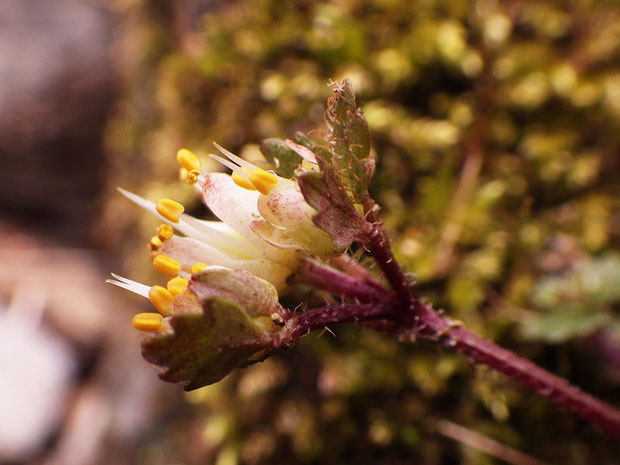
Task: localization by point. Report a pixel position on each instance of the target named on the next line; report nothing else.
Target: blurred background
(496, 128)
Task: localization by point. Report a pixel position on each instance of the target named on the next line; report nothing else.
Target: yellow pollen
(192, 177)
(154, 243)
(188, 160)
(147, 321)
(242, 182)
(165, 232)
(169, 209)
(162, 299)
(166, 265)
(198, 267)
(177, 285)
(263, 180)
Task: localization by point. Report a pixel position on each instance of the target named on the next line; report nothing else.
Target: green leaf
(206, 347)
(280, 156)
(347, 151)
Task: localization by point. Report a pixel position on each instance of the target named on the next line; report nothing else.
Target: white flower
(266, 224)
(266, 227)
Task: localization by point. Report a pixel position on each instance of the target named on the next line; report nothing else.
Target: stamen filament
(227, 163)
(234, 245)
(191, 227)
(130, 285)
(238, 160)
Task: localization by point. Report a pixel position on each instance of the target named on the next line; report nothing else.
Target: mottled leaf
(347, 151)
(205, 347)
(256, 296)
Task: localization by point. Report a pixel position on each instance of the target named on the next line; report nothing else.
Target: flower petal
(212, 232)
(188, 251)
(287, 210)
(237, 208)
(318, 244)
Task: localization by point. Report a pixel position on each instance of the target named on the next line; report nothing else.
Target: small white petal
(189, 251)
(224, 237)
(191, 227)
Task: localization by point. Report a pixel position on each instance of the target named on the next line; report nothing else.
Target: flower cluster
(266, 227)
(220, 307)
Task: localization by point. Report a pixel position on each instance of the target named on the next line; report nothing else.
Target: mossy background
(496, 129)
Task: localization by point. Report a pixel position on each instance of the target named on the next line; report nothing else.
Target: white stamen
(222, 239)
(230, 165)
(234, 245)
(238, 160)
(133, 286)
(146, 204)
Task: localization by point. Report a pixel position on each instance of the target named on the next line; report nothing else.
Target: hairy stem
(302, 323)
(378, 245)
(422, 320)
(430, 325)
(531, 375)
(338, 283)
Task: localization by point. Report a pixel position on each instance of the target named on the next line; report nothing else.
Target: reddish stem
(442, 330)
(302, 323)
(415, 318)
(556, 389)
(430, 324)
(338, 283)
(378, 245)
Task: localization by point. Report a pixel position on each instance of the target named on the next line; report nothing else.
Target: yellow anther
(166, 265)
(188, 160)
(242, 182)
(192, 177)
(162, 299)
(154, 243)
(165, 232)
(177, 285)
(169, 209)
(263, 180)
(147, 321)
(197, 267)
